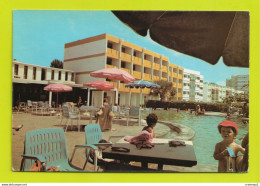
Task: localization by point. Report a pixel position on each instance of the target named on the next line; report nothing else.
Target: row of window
(43, 73)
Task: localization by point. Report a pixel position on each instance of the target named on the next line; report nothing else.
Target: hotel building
(192, 86)
(239, 82)
(106, 51)
(216, 93)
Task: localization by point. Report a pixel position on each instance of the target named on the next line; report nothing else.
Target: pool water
(206, 135)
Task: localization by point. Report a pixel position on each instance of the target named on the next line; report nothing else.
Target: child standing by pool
(228, 131)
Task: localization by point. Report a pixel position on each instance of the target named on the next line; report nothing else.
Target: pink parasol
(57, 87)
(113, 74)
(102, 85)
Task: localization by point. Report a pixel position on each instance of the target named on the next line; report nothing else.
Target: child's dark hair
(151, 119)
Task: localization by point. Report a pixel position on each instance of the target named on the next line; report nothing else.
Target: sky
(39, 37)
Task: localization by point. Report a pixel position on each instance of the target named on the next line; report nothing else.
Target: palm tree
(56, 63)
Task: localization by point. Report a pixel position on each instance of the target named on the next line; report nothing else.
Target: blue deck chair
(134, 112)
(93, 135)
(50, 148)
(231, 160)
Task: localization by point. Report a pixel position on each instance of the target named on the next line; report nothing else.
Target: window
(109, 61)
(34, 73)
(66, 76)
(52, 75)
(122, 64)
(123, 49)
(109, 45)
(43, 74)
(134, 67)
(72, 76)
(145, 56)
(59, 75)
(134, 53)
(25, 72)
(16, 67)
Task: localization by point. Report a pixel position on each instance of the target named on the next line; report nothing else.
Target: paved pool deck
(73, 137)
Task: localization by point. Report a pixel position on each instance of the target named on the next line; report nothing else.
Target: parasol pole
(50, 98)
(57, 100)
(88, 96)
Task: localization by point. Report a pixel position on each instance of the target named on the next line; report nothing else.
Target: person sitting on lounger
(228, 131)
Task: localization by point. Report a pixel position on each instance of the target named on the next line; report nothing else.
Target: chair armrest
(41, 158)
(86, 146)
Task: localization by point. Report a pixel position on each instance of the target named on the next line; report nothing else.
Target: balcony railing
(179, 95)
(147, 77)
(112, 53)
(163, 78)
(146, 91)
(156, 66)
(164, 68)
(111, 66)
(174, 84)
(136, 90)
(127, 70)
(156, 78)
(123, 88)
(174, 75)
(147, 64)
(125, 57)
(180, 76)
(112, 83)
(179, 85)
(137, 60)
(137, 75)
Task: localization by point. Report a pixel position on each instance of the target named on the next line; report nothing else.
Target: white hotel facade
(192, 86)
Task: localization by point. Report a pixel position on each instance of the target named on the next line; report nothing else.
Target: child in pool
(228, 131)
(151, 121)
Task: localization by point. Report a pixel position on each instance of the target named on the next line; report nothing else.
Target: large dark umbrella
(205, 35)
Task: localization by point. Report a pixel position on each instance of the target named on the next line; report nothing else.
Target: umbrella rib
(230, 29)
(157, 19)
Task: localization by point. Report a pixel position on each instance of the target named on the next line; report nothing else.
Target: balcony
(146, 91)
(147, 77)
(147, 64)
(127, 70)
(112, 53)
(164, 68)
(111, 66)
(156, 66)
(156, 78)
(137, 75)
(126, 57)
(179, 85)
(179, 95)
(135, 90)
(165, 79)
(123, 88)
(137, 60)
(174, 75)
(112, 83)
(180, 76)
(174, 84)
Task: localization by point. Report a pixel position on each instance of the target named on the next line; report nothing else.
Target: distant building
(192, 86)
(217, 93)
(239, 82)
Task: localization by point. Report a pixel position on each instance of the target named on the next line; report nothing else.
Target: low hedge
(216, 107)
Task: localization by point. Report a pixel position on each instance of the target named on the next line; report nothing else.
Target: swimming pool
(206, 135)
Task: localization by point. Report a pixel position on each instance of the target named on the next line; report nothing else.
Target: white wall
(86, 49)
